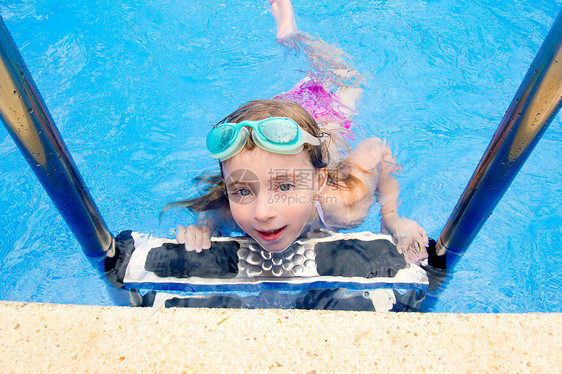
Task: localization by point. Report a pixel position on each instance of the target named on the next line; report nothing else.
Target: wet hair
(211, 187)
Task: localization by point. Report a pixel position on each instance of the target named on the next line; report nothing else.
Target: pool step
(352, 271)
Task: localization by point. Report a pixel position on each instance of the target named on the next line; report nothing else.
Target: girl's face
(272, 195)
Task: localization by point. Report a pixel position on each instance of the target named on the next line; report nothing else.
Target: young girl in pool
(282, 176)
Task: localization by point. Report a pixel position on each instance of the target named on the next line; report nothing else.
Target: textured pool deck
(51, 338)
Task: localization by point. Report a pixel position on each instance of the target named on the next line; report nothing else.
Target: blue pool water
(133, 87)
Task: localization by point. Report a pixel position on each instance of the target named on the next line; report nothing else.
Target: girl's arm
(411, 240)
(372, 163)
(348, 207)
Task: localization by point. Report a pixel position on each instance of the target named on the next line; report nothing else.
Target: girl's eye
(243, 192)
(285, 187)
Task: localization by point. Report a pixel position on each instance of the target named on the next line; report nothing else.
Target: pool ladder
(531, 111)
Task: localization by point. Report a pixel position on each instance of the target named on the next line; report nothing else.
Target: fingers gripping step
(194, 238)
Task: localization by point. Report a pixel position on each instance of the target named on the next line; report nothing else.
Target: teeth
(270, 231)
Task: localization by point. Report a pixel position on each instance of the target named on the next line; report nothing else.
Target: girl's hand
(411, 240)
(195, 238)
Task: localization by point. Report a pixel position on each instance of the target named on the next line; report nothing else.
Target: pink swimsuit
(323, 105)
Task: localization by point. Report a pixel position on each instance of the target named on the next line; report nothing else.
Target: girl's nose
(264, 209)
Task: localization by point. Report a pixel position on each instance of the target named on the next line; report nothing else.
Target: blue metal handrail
(28, 121)
(533, 108)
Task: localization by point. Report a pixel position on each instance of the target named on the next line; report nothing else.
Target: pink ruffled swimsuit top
(323, 105)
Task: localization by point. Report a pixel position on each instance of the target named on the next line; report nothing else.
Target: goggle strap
(309, 138)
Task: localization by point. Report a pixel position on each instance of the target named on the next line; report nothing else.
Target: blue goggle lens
(279, 131)
(220, 138)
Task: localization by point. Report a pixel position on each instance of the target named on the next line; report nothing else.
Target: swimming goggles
(275, 134)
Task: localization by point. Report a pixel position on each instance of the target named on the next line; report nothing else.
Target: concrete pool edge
(55, 338)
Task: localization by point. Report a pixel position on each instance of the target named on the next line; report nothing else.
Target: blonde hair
(211, 187)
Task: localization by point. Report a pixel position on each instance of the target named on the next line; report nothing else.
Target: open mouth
(271, 235)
